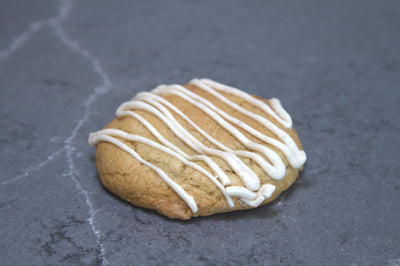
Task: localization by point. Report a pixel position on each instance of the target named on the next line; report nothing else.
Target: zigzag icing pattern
(251, 193)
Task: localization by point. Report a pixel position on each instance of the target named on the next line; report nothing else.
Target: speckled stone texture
(65, 66)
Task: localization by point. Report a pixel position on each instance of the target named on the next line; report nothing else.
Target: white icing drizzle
(251, 193)
(249, 178)
(279, 113)
(257, 198)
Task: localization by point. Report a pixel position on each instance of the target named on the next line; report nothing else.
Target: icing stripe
(249, 197)
(249, 178)
(251, 193)
(177, 188)
(149, 97)
(119, 133)
(295, 157)
(280, 114)
(276, 170)
(219, 173)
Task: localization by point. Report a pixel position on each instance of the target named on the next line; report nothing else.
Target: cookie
(198, 149)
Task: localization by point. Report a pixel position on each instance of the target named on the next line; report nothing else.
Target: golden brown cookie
(198, 149)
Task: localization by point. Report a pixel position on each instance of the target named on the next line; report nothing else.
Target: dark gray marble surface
(65, 66)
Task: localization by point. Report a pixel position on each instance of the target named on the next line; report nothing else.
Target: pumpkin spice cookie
(198, 149)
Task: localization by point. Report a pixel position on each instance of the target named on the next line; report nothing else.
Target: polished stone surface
(65, 66)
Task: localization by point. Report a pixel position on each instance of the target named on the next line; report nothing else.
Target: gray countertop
(65, 66)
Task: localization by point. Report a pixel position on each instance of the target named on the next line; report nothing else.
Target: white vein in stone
(28, 171)
(56, 24)
(69, 142)
(33, 27)
(92, 211)
(18, 42)
(21, 39)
